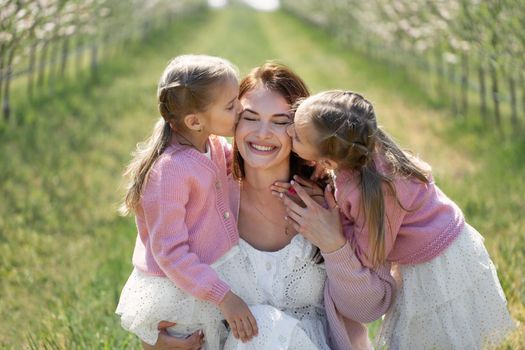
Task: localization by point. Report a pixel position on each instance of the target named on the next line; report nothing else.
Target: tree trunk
(495, 93)
(439, 73)
(54, 63)
(94, 56)
(42, 65)
(2, 72)
(464, 84)
(513, 103)
(452, 88)
(522, 83)
(6, 108)
(31, 72)
(65, 52)
(482, 92)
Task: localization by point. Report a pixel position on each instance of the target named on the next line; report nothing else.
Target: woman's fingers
(310, 203)
(165, 324)
(280, 186)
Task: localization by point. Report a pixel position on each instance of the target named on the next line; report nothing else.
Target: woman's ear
(193, 122)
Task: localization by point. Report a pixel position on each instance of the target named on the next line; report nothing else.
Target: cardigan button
(226, 215)
(217, 184)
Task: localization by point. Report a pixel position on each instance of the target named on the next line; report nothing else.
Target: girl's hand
(280, 189)
(239, 317)
(167, 342)
(322, 227)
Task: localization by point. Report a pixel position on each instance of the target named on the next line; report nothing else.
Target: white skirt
(454, 301)
(280, 331)
(147, 300)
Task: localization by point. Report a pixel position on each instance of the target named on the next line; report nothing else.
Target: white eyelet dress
(284, 290)
(288, 287)
(454, 301)
(147, 300)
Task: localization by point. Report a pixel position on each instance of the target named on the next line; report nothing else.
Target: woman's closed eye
(249, 118)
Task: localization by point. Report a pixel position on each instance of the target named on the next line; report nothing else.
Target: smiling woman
(261, 131)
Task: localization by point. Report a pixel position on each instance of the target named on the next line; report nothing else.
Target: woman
(287, 270)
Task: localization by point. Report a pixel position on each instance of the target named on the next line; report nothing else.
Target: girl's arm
(359, 293)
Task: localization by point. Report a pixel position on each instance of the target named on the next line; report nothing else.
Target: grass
(64, 252)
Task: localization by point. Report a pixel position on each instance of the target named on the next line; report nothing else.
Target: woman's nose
(264, 131)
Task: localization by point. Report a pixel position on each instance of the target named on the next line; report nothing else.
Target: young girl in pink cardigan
(449, 295)
(186, 250)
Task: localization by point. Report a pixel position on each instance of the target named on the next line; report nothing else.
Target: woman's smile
(261, 148)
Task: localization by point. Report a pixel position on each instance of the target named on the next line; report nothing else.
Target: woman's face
(261, 135)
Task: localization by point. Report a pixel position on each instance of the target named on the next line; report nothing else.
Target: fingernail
(281, 195)
(286, 218)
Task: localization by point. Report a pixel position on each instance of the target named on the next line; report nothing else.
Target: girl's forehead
(301, 114)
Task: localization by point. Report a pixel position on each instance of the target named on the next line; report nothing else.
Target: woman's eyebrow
(250, 110)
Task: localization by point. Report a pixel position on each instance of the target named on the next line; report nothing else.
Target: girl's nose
(289, 130)
(239, 106)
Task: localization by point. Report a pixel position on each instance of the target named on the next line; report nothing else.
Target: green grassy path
(64, 253)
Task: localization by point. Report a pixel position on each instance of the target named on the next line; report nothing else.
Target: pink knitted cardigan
(184, 220)
(412, 236)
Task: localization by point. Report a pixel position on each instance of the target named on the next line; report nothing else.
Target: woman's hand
(321, 226)
(167, 342)
(280, 189)
(238, 315)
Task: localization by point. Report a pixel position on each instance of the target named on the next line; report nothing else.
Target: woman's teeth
(262, 148)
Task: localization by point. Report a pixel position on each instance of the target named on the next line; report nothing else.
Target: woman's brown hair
(278, 78)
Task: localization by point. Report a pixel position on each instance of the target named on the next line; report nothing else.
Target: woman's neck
(196, 139)
(260, 180)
